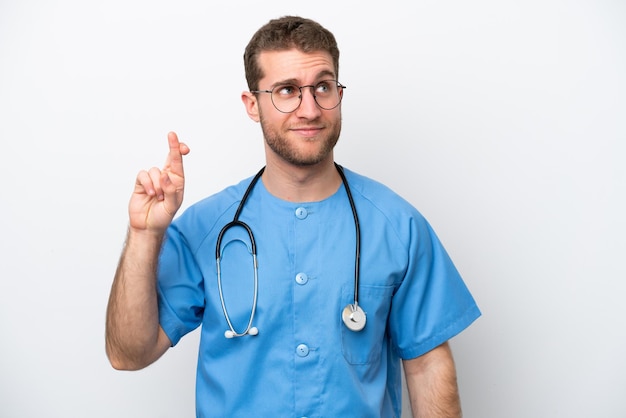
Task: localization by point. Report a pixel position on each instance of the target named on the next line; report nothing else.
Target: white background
(503, 121)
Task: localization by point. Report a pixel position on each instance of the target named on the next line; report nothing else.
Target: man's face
(307, 135)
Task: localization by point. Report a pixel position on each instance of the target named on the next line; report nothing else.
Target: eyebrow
(320, 75)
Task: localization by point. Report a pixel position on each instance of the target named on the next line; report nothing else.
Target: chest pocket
(365, 346)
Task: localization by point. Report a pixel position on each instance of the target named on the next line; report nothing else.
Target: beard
(289, 151)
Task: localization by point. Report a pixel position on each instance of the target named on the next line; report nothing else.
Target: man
(320, 325)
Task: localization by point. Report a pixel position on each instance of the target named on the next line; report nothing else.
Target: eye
(286, 90)
(325, 87)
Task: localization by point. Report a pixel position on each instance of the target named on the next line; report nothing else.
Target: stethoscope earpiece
(229, 333)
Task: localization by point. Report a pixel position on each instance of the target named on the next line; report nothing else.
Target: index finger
(174, 161)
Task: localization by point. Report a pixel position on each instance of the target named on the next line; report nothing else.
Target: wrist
(146, 235)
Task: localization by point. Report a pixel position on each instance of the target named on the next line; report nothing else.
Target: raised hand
(158, 193)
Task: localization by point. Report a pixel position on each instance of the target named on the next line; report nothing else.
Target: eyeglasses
(286, 98)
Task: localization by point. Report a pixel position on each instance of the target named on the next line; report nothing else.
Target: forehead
(295, 65)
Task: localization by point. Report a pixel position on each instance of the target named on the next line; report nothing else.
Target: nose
(308, 106)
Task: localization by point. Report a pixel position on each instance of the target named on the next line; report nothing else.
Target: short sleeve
(179, 286)
(432, 304)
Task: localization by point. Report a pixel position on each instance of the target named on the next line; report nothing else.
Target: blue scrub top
(305, 362)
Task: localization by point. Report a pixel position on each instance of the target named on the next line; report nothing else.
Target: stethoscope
(352, 315)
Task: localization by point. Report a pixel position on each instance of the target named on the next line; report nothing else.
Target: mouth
(307, 131)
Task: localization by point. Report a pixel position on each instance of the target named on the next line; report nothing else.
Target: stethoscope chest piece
(354, 317)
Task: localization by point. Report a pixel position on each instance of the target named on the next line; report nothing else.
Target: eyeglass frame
(340, 87)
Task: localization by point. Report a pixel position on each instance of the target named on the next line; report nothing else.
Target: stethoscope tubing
(231, 332)
(357, 228)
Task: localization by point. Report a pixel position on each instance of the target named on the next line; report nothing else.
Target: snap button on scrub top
(301, 213)
(302, 278)
(302, 350)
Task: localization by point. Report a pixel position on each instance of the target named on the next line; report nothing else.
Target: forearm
(432, 385)
(132, 325)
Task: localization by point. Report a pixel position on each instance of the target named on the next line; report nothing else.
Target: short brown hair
(286, 33)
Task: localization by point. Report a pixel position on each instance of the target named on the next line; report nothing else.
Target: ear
(251, 104)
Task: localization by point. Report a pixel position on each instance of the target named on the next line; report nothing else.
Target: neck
(302, 183)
